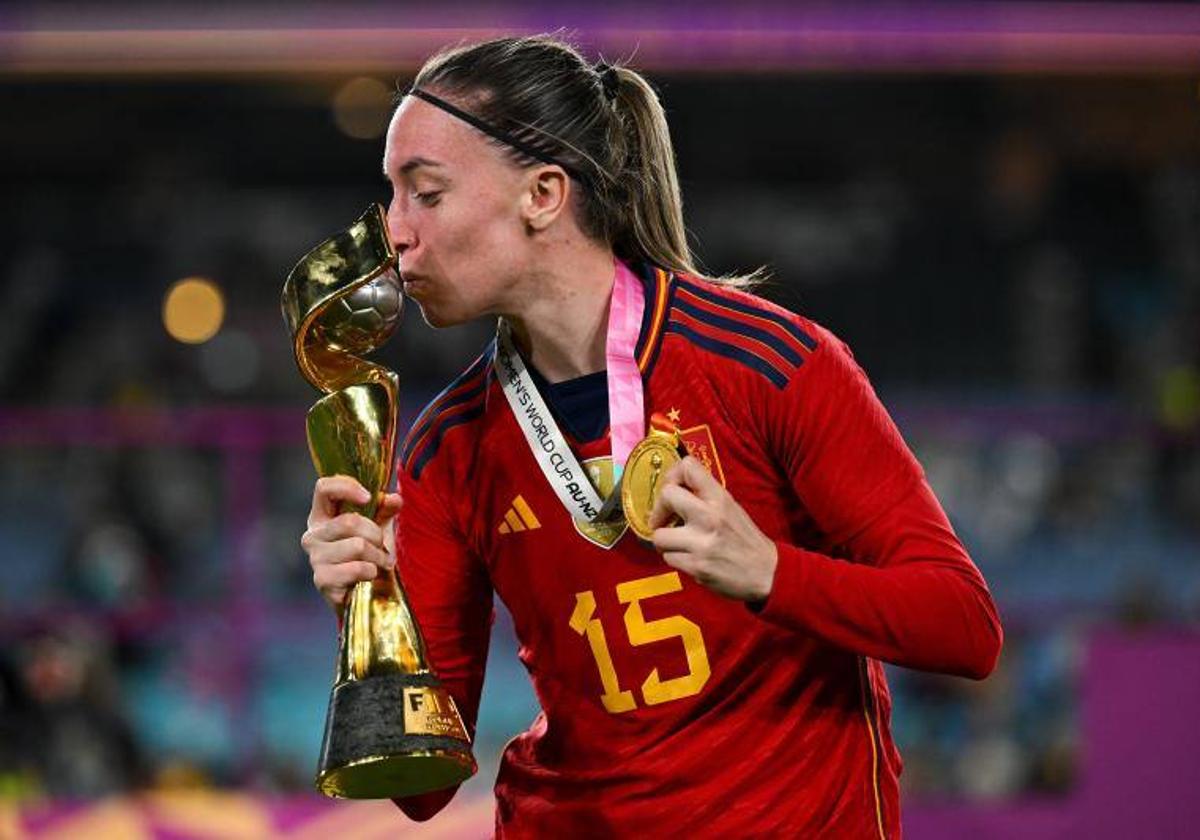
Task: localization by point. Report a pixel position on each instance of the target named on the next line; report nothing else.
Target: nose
(402, 235)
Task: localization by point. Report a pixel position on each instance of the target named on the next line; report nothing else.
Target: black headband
(492, 131)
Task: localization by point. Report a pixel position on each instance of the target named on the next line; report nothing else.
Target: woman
(723, 675)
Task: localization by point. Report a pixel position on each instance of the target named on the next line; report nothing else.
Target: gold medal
(642, 480)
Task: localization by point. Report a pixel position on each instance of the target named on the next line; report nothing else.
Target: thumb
(389, 507)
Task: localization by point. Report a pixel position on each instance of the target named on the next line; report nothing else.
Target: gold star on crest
(673, 415)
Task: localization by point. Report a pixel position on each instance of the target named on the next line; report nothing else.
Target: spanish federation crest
(700, 445)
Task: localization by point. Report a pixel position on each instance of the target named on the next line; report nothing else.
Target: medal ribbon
(625, 402)
(626, 415)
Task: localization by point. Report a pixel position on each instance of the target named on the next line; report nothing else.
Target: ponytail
(654, 210)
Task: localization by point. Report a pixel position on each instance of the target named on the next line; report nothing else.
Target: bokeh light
(1180, 398)
(193, 310)
(361, 108)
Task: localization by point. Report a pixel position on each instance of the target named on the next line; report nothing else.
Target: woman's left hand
(718, 543)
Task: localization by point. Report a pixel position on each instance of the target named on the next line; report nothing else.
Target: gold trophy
(391, 729)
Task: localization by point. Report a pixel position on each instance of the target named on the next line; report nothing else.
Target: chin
(437, 317)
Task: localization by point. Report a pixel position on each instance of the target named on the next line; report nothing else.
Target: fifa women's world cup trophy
(391, 729)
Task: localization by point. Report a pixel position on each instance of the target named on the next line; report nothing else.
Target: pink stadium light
(697, 37)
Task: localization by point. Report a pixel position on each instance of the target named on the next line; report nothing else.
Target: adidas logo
(519, 518)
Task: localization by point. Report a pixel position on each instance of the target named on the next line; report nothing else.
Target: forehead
(419, 129)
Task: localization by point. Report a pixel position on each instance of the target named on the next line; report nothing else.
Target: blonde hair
(603, 124)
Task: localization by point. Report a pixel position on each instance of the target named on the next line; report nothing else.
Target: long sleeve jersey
(668, 709)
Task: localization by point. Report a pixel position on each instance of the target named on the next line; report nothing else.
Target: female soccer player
(721, 676)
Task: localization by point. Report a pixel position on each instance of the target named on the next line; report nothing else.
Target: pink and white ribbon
(626, 412)
(625, 402)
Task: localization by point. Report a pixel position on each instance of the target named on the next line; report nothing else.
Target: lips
(411, 280)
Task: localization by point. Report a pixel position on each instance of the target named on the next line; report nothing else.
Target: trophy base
(390, 776)
(392, 735)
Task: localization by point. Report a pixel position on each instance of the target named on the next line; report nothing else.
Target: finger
(389, 507)
(675, 539)
(328, 494)
(674, 474)
(389, 537)
(676, 477)
(662, 511)
(672, 503)
(698, 478)
(344, 575)
(351, 550)
(684, 502)
(346, 525)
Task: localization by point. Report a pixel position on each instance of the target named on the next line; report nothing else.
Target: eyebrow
(415, 162)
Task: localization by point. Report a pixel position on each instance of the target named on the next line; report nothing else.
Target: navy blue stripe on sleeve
(729, 351)
(744, 328)
(750, 309)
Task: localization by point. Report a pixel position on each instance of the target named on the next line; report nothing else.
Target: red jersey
(668, 709)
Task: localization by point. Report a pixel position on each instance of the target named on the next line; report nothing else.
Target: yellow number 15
(642, 632)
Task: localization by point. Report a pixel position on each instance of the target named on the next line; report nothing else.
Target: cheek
(484, 233)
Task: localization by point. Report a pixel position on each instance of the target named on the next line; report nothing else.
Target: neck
(562, 326)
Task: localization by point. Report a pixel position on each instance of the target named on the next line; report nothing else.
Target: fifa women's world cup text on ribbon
(625, 403)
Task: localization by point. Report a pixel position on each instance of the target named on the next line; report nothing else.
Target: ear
(544, 197)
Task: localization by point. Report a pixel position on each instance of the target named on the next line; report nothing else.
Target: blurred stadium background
(995, 204)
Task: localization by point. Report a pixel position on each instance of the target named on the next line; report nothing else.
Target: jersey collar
(659, 286)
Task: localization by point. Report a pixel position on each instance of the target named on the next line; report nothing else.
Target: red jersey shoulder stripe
(460, 401)
(740, 327)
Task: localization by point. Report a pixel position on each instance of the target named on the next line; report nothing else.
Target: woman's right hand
(345, 548)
